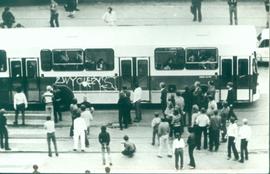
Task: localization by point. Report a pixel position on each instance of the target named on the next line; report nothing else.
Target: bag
(192, 9)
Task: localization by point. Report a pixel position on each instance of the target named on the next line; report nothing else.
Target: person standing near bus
(48, 100)
(20, 104)
(54, 14)
(163, 96)
(233, 11)
(196, 8)
(57, 99)
(109, 17)
(231, 94)
(104, 140)
(267, 5)
(137, 102)
(3, 130)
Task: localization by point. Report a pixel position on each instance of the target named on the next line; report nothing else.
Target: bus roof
(241, 38)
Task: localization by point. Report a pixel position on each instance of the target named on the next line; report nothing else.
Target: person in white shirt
(20, 104)
(79, 132)
(244, 134)
(137, 101)
(232, 133)
(109, 17)
(212, 106)
(178, 150)
(155, 123)
(50, 130)
(87, 116)
(202, 121)
(48, 100)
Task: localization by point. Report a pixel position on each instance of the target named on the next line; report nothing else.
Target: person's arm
(104, 17)
(25, 101)
(14, 102)
(109, 139)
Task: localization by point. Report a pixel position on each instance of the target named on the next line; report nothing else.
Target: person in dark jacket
(70, 7)
(104, 140)
(214, 131)
(127, 93)
(191, 141)
(231, 94)
(224, 114)
(123, 108)
(57, 100)
(3, 130)
(196, 9)
(163, 96)
(8, 18)
(187, 95)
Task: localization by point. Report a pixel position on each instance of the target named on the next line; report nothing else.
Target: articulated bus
(98, 61)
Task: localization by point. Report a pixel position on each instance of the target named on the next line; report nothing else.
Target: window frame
(5, 61)
(66, 50)
(51, 61)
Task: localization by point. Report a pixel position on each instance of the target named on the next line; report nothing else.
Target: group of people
(201, 110)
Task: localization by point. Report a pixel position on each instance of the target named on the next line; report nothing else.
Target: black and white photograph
(134, 86)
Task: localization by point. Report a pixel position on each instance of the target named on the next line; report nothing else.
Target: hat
(49, 88)
(2, 111)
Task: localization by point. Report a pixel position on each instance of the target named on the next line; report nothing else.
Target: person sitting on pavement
(130, 147)
(8, 18)
(3, 130)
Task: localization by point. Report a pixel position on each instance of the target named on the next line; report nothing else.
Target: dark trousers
(123, 119)
(57, 113)
(51, 137)
(197, 10)
(86, 140)
(233, 12)
(244, 144)
(224, 131)
(231, 145)
(20, 108)
(179, 153)
(4, 136)
(54, 20)
(163, 106)
(213, 139)
(200, 131)
(155, 133)
(138, 111)
(191, 157)
(128, 153)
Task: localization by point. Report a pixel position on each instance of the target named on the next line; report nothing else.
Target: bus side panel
(5, 97)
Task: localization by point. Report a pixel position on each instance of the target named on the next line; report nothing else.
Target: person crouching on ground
(130, 147)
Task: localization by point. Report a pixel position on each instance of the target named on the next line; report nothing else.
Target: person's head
(84, 98)
(2, 111)
(156, 114)
(178, 136)
(175, 112)
(195, 108)
(178, 93)
(74, 101)
(103, 128)
(225, 104)
(49, 88)
(203, 111)
(163, 119)
(77, 113)
(245, 121)
(190, 129)
(19, 89)
(126, 138)
(229, 85)
(109, 9)
(210, 98)
(83, 107)
(87, 171)
(232, 120)
(124, 88)
(100, 61)
(122, 95)
(48, 118)
(197, 84)
(186, 88)
(107, 169)
(211, 82)
(136, 84)
(215, 112)
(7, 8)
(35, 167)
(162, 85)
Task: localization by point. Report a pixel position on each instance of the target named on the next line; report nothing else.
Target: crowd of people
(110, 17)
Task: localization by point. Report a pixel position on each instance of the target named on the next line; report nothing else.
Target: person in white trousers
(79, 132)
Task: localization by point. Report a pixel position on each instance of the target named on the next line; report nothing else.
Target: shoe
(50, 155)
(191, 167)
(228, 158)
(247, 159)
(110, 164)
(104, 163)
(210, 150)
(241, 161)
(198, 148)
(8, 148)
(170, 156)
(15, 123)
(57, 154)
(159, 156)
(181, 168)
(82, 150)
(77, 9)
(152, 144)
(235, 159)
(74, 150)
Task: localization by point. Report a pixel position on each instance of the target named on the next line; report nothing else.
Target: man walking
(109, 17)
(104, 140)
(163, 134)
(214, 131)
(20, 104)
(196, 9)
(3, 130)
(79, 132)
(54, 14)
(233, 11)
(178, 149)
(50, 130)
(244, 134)
(231, 94)
(137, 101)
(163, 96)
(202, 121)
(232, 134)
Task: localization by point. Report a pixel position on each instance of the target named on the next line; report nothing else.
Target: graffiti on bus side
(88, 83)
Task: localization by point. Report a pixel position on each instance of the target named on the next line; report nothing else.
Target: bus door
(235, 70)
(135, 69)
(24, 73)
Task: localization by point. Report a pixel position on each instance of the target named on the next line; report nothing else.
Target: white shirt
(19, 98)
(79, 125)
(137, 94)
(202, 120)
(178, 143)
(155, 121)
(232, 130)
(87, 116)
(193, 118)
(212, 105)
(48, 97)
(245, 132)
(109, 18)
(49, 126)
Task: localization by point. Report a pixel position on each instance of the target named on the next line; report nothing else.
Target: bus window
(243, 73)
(143, 74)
(16, 69)
(68, 60)
(169, 58)
(46, 60)
(99, 59)
(264, 43)
(3, 61)
(202, 58)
